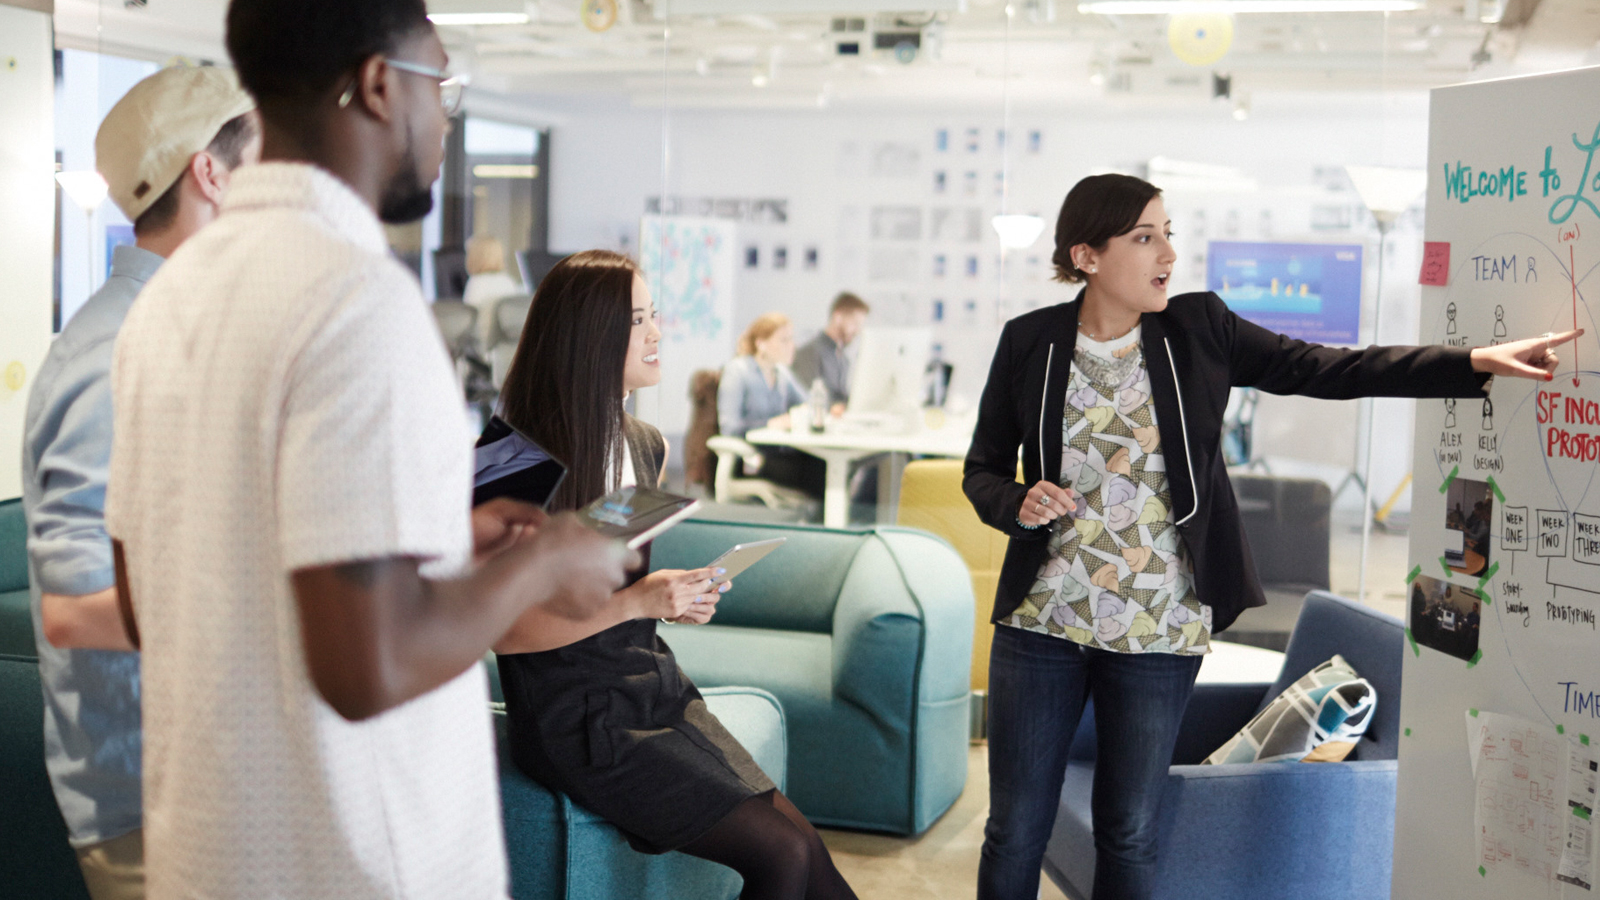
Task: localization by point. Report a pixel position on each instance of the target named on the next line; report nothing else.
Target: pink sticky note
(1435, 263)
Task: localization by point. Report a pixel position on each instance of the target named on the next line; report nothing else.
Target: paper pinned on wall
(1435, 263)
(1526, 802)
(1576, 866)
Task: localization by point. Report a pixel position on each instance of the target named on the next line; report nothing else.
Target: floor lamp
(1387, 193)
(87, 190)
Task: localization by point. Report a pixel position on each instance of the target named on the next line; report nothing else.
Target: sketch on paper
(689, 266)
(1527, 799)
(897, 223)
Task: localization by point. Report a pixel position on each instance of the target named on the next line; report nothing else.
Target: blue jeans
(1037, 688)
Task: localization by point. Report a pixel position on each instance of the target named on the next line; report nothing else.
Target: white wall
(27, 220)
(606, 162)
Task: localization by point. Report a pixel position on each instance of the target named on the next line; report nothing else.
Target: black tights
(779, 854)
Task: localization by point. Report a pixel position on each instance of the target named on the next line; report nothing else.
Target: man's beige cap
(151, 134)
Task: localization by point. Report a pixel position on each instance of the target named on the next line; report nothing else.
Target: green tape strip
(1413, 640)
(1473, 713)
(1581, 813)
(1496, 489)
(1414, 573)
(1477, 657)
(1445, 565)
(1481, 871)
(1408, 732)
(1561, 729)
(1449, 478)
(1583, 739)
(1486, 577)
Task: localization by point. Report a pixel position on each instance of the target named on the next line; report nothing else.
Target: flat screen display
(1307, 291)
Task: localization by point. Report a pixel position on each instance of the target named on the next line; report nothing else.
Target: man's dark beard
(405, 198)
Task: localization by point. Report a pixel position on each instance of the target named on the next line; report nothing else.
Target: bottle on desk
(819, 405)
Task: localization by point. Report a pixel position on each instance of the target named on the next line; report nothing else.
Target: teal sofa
(865, 637)
(36, 861)
(557, 851)
(561, 851)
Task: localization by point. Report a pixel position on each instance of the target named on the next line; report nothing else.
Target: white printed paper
(1519, 769)
(1576, 867)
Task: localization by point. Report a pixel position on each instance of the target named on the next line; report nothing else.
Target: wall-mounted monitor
(1306, 291)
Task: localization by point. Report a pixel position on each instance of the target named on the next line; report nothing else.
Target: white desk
(840, 450)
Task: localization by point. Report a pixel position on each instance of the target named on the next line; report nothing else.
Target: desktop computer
(889, 386)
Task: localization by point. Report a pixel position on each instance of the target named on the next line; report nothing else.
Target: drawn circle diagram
(1534, 449)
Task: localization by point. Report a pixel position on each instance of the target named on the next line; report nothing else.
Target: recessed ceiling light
(484, 18)
(1176, 7)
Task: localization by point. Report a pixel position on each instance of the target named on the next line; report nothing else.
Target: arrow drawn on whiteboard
(1572, 273)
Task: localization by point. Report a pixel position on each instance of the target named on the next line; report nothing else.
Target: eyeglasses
(451, 87)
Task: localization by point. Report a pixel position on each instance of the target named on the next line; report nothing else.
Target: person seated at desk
(757, 391)
(667, 772)
(825, 356)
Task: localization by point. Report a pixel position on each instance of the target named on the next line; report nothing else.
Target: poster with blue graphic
(1306, 291)
(689, 265)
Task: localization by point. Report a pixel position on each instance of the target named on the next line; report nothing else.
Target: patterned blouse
(1118, 576)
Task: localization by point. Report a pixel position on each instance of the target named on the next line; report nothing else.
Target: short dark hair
(1097, 209)
(848, 302)
(228, 147)
(288, 52)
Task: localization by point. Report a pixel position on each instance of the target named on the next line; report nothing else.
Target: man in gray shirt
(166, 150)
(824, 356)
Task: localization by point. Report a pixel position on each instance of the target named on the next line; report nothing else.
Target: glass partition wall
(800, 153)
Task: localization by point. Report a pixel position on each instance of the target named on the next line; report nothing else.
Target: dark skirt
(613, 723)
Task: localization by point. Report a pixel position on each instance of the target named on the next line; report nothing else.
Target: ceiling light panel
(1177, 7)
(478, 12)
(664, 8)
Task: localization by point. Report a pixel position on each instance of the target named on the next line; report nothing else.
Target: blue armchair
(865, 636)
(1312, 831)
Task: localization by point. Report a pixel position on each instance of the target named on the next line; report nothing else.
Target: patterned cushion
(1317, 719)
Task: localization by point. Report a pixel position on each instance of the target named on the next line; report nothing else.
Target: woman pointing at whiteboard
(1126, 550)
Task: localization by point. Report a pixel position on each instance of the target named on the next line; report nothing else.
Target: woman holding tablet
(598, 709)
(1126, 550)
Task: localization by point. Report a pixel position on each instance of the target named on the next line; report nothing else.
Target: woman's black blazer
(1195, 349)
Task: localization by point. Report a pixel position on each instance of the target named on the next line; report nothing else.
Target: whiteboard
(689, 265)
(1506, 500)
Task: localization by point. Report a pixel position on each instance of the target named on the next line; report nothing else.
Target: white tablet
(742, 556)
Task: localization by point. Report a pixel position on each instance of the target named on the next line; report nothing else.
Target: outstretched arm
(1530, 358)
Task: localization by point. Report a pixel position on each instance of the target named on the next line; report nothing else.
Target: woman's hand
(1531, 358)
(779, 423)
(686, 597)
(1045, 503)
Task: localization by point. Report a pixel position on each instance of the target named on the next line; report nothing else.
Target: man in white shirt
(289, 499)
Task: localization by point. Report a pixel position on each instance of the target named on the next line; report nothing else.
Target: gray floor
(943, 863)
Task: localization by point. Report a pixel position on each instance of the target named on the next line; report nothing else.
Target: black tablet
(511, 464)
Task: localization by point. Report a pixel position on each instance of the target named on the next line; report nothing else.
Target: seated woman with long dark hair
(598, 708)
